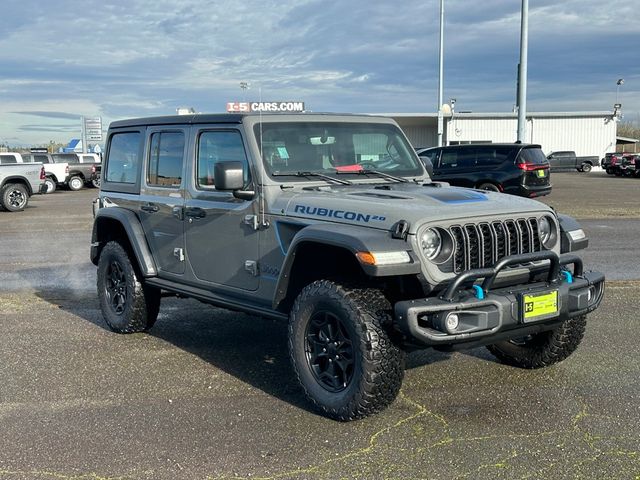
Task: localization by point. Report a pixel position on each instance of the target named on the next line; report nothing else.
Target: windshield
(332, 148)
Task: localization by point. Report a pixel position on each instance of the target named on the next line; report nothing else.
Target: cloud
(68, 116)
(118, 58)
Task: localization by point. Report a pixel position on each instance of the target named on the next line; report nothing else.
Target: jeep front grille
(483, 244)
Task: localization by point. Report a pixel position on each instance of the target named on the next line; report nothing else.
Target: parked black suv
(515, 168)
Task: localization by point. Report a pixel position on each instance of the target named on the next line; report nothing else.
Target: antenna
(263, 220)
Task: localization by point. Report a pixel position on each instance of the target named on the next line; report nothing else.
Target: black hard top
(179, 120)
(486, 145)
(212, 118)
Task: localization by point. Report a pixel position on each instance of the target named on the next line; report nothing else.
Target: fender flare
(567, 242)
(353, 239)
(135, 234)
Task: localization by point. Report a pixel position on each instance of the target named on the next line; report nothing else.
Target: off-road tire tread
(546, 349)
(144, 300)
(383, 361)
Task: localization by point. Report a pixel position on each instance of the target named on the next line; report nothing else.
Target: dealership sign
(246, 107)
(92, 128)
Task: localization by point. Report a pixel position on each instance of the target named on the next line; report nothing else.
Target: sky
(60, 60)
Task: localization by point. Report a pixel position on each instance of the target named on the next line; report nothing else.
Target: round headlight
(546, 230)
(431, 243)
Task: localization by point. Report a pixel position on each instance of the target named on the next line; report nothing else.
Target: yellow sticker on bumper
(540, 305)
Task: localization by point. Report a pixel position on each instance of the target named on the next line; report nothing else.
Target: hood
(381, 206)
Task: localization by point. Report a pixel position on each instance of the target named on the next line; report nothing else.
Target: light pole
(618, 84)
(244, 86)
(522, 72)
(441, 75)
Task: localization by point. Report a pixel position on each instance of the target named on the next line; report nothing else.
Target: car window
(492, 156)
(7, 159)
(65, 157)
(532, 155)
(430, 154)
(219, 146)
(449, 159)
(166, 158)
(123, 158)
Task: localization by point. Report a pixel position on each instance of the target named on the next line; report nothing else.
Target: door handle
(149, 207)
(195, 212)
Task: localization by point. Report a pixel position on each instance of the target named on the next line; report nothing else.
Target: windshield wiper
(311, 174)
(374, 172)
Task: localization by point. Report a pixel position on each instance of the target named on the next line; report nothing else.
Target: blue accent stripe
(458, 196)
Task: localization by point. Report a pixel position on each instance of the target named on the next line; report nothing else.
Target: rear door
(162, 197)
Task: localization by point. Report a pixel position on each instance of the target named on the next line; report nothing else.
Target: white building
(586, 133)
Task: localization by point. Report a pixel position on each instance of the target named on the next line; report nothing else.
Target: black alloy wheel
(342, 351)
(329, 351)
(127, 303)
(116, 288)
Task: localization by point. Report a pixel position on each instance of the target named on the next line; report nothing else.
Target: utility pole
(441, 75)
(522, 72)
(84, 136)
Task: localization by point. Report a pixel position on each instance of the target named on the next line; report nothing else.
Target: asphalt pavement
(209, 393)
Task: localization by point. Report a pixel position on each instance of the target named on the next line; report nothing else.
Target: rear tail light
(43, 175)
(93, 169)
(528, 167)
(66, 169)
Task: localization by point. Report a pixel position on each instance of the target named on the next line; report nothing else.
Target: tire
(586, 167)
(542, 349)
(489, 186)
(617, 172)
(128, 305)
(360, 370)
(95, 182)
(75, 183)
(50, 184)
(609, 171)
(14, 197)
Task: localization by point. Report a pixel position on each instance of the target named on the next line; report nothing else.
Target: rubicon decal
(341, 214)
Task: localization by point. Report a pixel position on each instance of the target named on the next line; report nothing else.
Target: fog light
(451, 322)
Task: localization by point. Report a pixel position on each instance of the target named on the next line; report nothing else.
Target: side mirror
(228, 175)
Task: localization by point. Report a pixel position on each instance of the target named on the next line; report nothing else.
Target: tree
(628, 129)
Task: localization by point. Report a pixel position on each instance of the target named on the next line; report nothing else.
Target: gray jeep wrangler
(331, 223)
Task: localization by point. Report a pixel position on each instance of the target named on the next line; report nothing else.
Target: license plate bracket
(539, 306)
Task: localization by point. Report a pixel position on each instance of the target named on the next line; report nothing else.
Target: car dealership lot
(209, 393)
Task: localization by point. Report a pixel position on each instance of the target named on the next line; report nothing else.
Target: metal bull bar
(490, 274)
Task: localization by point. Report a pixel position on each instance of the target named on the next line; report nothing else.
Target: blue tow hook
(479, 292)
(567, 276)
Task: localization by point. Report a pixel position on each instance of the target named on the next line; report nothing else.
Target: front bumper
(485, 315)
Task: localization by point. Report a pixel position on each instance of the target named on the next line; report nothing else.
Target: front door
(162, 198)
(220, 230)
